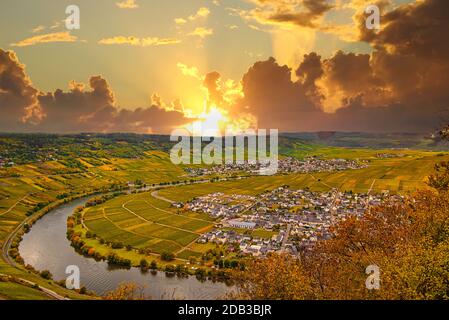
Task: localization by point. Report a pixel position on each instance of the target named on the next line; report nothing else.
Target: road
(9, 239)
(372, 185)
(155, 194)
(11, 262)
(156, 223)
(15, 204)
(319, 180)
(48, 292)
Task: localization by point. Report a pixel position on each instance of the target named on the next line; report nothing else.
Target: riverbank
(119, 254)
(13, 266)
(45, 247)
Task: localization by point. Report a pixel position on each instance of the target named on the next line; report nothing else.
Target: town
(292, 220)
(285, 165)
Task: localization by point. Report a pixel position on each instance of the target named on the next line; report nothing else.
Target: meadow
(24, 188)
(146, 222)
(397, 175)
(143, 221)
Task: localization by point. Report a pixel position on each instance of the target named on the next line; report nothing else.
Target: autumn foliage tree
(127, 291)
(278, 277)
(408, 242)
(440, 179)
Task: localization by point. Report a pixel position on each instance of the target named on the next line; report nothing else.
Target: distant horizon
(167, 134)
(295, 66)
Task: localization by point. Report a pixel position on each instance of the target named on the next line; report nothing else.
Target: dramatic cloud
(273, 98)
(303, 13)
(202, 12)
(18, 97)
(64, 36)
(95, 110)
(402, 86)
(180, 21)
(38, 29)
(127, 4)
(202, 32)
(189, 71)
(211, 82)
(82, 108)
(309, 71)
(140, 42)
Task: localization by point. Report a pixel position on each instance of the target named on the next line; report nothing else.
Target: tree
(46, 274)
(408, 241)
(440, 180)
(127, 291)
(167, 256)
(274, 277)
(169, 268)
(143, 265)
(444, 133)
(192, 260)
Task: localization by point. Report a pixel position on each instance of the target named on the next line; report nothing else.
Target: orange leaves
(409, 243)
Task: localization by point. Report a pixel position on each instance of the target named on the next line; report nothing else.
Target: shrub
(167, 256)
(46, 274)
(143, 265)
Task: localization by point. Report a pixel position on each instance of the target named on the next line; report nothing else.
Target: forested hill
(31, 148)
(418, 141)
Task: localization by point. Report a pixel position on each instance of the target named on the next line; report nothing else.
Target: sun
(216, 121)
(211, 123)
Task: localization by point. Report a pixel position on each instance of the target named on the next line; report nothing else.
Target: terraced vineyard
(143, 221)
(399, 175)
(146, 222)
(26, 188)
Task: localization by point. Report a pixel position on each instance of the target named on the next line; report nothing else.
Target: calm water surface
(46, 247)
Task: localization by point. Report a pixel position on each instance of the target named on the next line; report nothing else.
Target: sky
(152, 65)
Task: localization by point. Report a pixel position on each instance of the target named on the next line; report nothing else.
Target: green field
(14, 291)
(146, 222)
(143, 221)
(398, 175)
(23, 187)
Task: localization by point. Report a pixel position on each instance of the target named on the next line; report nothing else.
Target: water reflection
(45, 247)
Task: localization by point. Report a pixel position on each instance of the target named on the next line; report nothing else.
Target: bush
(169, 268)
(167, 256)
(117, 245)
(46, 274)
(112, 258)
(143, 265)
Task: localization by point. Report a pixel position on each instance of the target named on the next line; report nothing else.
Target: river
(46, 247)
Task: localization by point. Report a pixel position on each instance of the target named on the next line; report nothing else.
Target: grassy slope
(23, 187)
(14, 291)
(399, 175)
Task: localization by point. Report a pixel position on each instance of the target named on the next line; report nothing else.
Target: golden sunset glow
(217, 122)
(220, 150)
(151, 66)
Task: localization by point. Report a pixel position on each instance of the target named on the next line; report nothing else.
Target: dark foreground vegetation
(408, 242)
